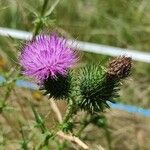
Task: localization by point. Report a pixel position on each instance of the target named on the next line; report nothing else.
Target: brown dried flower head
(120, 67)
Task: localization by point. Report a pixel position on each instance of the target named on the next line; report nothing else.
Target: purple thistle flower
(47, 56)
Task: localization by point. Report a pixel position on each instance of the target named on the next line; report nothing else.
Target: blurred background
(120, 23)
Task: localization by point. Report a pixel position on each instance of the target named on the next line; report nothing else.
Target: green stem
(45, 142)
(24, 143)
(37, 28)
(44, 7)
(83, 126)
(108, 137)
(39, 24)
(7, 94)
(44, 130)
(52, 8)
(39, 120)
(81, 129)
(70, 111)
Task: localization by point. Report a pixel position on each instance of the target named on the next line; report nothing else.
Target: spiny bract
(96, 89)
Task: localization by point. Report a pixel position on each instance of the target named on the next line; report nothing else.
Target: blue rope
(119, 106)
(131, 109)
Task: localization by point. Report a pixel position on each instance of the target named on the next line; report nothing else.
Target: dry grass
(128, 131)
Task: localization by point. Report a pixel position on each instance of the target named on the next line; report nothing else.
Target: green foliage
(67, 126)
(99, 121)
(40, 123)
(24, 142)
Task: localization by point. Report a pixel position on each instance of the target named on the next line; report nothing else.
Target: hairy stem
(24, 143)
(39, 24)
(108, 137)
(85, 123)
(45, 142)
(52, 8)
(44, 7)
(70, 111)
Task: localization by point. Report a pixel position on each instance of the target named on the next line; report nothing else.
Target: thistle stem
(45, 142)
(108, 137)
(24, 143)
(70, 111)
(39, 24)
(44, 7)
(68, 114)
(37, 28)
(83, 126)
(81, 129)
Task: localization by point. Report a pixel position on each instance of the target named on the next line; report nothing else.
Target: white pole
(85, 46)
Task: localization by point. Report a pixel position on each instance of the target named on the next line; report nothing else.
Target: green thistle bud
(97, 86)
(93, 95)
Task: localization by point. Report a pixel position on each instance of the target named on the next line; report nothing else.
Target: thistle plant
(50, 61)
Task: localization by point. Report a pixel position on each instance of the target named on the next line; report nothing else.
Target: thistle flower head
(47, 56)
